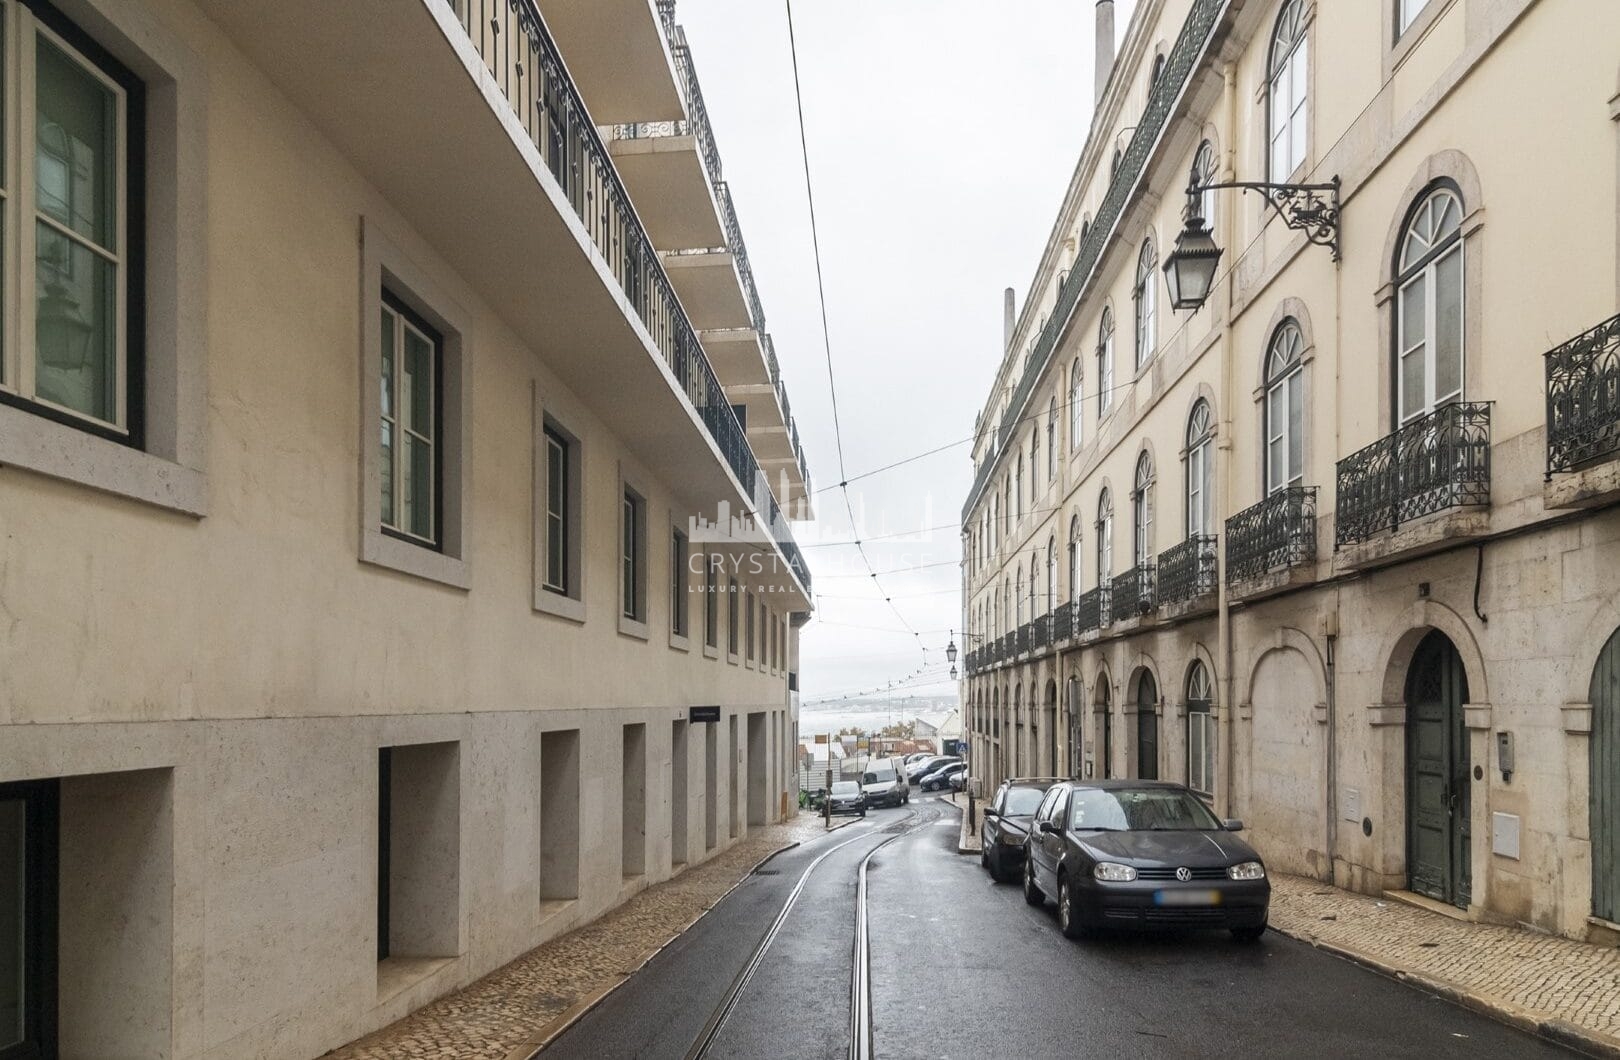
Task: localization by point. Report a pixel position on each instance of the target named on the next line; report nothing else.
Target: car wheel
(1070, 922)
(995, 864)
(1032, 894)
(984, 858)
(863, 813)
(1248, 935)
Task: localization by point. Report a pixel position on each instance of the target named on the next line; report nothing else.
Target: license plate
(1187, 898)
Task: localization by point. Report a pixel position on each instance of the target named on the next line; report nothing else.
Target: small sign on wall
(1505, 835)
(706, 714)
(1350, 804)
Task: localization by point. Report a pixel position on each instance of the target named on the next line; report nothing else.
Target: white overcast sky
(942, 134)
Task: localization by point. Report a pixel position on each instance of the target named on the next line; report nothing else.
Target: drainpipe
(1227, 683)
(1331, 630)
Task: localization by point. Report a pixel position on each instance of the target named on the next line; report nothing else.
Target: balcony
(1440, 463)
(542, 229)
(1134, 596)
(1063, 623)
(1094, 610)
(1025, 637)
(1272, 545)
(1188, 578)
(1043, 633)
(1583, 419)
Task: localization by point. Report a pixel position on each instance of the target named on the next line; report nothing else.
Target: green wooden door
(1437, 781)
(1147, 729)
(1605, 790)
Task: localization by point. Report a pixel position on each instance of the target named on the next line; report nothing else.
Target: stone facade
(1308, 644)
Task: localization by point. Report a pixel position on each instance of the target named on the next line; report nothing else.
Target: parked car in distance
(917, 770)
(959, 781)
(885, 784)
(1006, 824)
(847, 797)
(937, 767)
(1143, 854)
(917, 756)
(941, 778)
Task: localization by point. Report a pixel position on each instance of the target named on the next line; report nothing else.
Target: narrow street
(961, 967)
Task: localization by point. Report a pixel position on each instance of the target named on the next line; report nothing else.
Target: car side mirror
(1050, 827)
(988, 812)
(1232, 825)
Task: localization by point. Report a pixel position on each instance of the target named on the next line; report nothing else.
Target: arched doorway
(1105, 729)
(1076, 739)
(1147, 727)
(1605, 784)
(1437, 766)
(1052, 729)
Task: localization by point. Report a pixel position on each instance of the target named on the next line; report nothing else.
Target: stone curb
(554, 1029)
(1559, 1032)
(965, 843)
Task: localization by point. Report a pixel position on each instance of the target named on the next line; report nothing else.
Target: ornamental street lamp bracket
(1309, 208)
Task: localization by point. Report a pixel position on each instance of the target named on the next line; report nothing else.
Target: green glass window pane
(76, 346)
(1414, 395)
(419, 487)
(419, 377)
(1296, 428)
(75, 150)
(1413, 298)
(388, 363)
(13, 888)
(387, 462)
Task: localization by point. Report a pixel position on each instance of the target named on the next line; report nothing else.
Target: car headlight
(1109, 872)
(1010, 838)
(1249, 870)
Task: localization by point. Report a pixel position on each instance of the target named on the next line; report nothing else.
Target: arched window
(1018, 487)
(1034, 463)
(1051, 441)
(1286, 81)
(1018, 600)
(1285, 408)
(1204, 173)
(1113, 166)
(1105, 539)
(1142, 510)
(1034, 586)
(1051, 574)
(1429, 307)
(1146, 295)
(1200, 729)
(1077, 396)
(1074, 558)
(1158, 70)
(1200, 471)
(1105, 361)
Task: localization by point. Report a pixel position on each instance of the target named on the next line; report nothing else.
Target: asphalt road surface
(962, 968)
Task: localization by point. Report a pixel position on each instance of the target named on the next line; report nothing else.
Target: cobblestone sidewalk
(1562, 990)
(500, 1013)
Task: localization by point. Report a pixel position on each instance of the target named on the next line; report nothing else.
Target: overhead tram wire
(826, 331)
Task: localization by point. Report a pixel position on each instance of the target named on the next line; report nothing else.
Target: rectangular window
(731, 616)
(711, 606)
(632, 526)
(558, 501)
(71, 220)
(677, 584)
(1410, 10)
(1200, 750)
(28, 918)
(412, 354)
(749, 609)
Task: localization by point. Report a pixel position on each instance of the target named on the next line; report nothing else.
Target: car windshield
(878, 776)
(1140, 810)
(1022, 801)
(845, 787)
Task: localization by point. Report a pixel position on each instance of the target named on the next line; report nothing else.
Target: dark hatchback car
(847, 797)
(1142, 854)
(1006, 824)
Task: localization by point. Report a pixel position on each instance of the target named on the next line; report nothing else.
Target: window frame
(25, 23)
(733, 620)
(1142, 509)
(1200, 715)
(1292, 17)
(750, 627)
(1051, 440)
(1284, 381)
(1074, 557)
(1077, 399)
(1105, 361)
(634, 560)
(1145, 295)
(680, 596)
(1200, 471)
(1426, 269)
(1407, 14)
(392, 303)
(1105, 538)
(1206, 170)
(711, 607)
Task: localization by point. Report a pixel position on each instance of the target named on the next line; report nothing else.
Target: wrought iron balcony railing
(1167, 89)
(1094, 610)
(1134, 591)
(1043, 632)
(1583, 399)
(696, 113)
(1026, 634)
(1187, 571)
(1276, 534)
(525, 64)
(1063, 622)
(1440, 461)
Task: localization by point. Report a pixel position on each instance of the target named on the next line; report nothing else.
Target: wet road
(961, 967)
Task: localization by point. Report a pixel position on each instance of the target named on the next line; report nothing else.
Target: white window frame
(1285, 386)
(1287, 93)
(1105, 362)
(1051, 441)
(1074, 558)
(680, 589)
(1142, 511)
(1105, 539)
(1200, 471)
(1077, 398)
(1201, 730)
(1427, 273)
(634, 562)
(1146, 296)
(1406, 13)
(404, 427)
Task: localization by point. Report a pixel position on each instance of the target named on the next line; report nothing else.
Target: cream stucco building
(395, 471)
(1337, 548)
